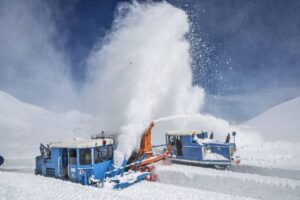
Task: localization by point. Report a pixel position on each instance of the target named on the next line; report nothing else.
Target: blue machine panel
(197, 148)
(76, 164)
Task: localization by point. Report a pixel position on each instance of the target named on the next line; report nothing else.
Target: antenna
(234, 134)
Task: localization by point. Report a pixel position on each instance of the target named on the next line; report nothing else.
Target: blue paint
(60, 164)
(186, 149)
(126, 184)
(91, 165)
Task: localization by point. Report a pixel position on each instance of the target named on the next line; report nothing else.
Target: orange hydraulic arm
(146, 148)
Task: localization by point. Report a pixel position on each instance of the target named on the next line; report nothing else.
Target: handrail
(160, 145)
(122, 168)
(85, 168)
(58, 165)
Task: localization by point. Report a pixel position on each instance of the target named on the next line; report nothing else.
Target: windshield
(72, 157)
(85, 157)
(200, 136)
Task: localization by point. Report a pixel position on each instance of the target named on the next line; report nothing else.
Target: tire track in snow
(242, 184)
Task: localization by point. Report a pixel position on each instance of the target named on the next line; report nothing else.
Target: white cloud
(32, 67)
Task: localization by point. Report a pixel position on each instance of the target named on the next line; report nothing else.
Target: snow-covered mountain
(279, 128)
(282, 122)
(271, 169)
(24, 126)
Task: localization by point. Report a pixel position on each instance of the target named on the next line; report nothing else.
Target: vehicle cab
(76, 160)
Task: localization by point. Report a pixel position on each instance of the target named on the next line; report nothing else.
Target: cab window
(200, 136)
(85, 157)
(72, 156)
(172, 140)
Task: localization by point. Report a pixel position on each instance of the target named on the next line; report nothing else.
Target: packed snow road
(267, 171)
(19, 186)
(229, 182)
(175, 182)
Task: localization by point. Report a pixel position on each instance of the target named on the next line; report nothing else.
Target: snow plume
(33, 67)
(142, 71)
(204, 122)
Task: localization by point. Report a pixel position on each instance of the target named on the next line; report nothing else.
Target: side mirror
(234, 133)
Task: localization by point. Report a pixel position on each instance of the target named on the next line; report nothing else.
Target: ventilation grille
(50, 172)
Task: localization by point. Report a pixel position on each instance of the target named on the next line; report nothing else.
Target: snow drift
(280, 122)
(252, 185)
(37, 187)
(23, 127)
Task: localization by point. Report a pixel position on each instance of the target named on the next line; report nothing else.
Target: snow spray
(141, 71)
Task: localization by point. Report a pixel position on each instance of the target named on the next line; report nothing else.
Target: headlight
(81, 172)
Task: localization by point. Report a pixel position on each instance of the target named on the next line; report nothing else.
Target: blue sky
(251, 60)
(253, 48)
(253, 44)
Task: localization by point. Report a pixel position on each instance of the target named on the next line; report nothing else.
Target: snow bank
(23, 127)
(252, 185)
(280, 122)
(27, 186)
(279, 129)
(282, 155)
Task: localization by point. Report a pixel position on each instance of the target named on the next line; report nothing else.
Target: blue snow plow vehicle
(88, 161)
(196, 148)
